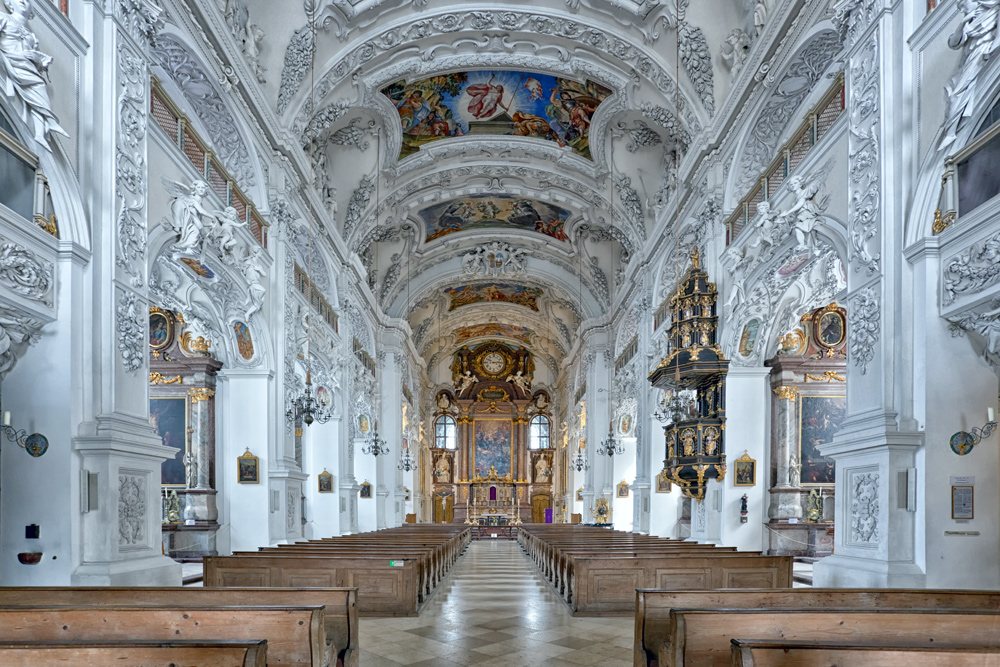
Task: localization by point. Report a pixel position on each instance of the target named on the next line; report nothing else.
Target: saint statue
(188, 216)
(23, 72)
(253, 272)
(979, 34)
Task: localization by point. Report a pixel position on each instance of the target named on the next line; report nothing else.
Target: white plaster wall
(624, 508)
(747, 429)
(664, 507)
(364, 471)
(320, 452)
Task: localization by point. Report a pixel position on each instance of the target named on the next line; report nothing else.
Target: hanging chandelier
(308, 406)
(406, 461)
(610, 446)
(580, 462)
(375, 445)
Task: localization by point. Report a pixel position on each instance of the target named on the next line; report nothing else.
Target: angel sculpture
(23, 72)
(767, 225)
(979, 35)
(738, 294)
(224, 233)
(466, 381)
(253, 272)
(806, 211)
(188, 216)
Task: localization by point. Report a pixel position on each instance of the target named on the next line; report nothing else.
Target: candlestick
(6, 418)
(989, 413)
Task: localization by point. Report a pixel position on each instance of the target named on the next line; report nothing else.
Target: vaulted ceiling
(496, 166)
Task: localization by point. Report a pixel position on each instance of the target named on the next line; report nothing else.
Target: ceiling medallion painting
(523, 104)
(493, 329)
(504, 211)
(466, 295)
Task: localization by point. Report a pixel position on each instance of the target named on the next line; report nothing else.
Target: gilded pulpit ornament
(695, 441)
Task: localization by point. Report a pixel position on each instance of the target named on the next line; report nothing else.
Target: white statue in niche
(188, 218)
(253, 272)
(23, 72)
(442, 472)
(543, 472)
(980, 35)
(794, 470)
(806, 212)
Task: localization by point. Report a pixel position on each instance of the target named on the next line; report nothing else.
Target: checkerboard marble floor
(494, 609)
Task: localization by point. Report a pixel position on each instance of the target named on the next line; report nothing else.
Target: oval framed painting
(161, 330)
(831, 328)
(244, 339)
(749, 337)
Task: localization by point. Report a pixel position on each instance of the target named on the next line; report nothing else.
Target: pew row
(294, 635)
(757, 653)
(126, 653)
(340, 616)
(703, 637)
(652, 614)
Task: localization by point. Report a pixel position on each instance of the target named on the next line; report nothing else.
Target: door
(539, 504)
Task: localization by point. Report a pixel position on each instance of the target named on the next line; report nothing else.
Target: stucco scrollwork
(864, 489)
(130, 165)
(17, 333)
(142, 18)
(986, 324)
(973, 270)
(863, 144)
(863, 332)
(697, 60)
(131, 329)
(358, 203)
(290, 510)
(131, 510)
(24, 273)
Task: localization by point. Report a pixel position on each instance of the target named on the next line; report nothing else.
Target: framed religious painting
(161, 330)
(622, 489)
(366, 490)
(579, 495)
(663, 483)
(829, 327)
(407, 492)
(247, 468)
(746, 470)
(325, 482)
(820, 418)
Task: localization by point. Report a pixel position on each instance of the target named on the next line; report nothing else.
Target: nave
(494, 609)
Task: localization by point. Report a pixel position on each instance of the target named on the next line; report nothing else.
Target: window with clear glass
(17, 177)
(445, 433)
(538, 433)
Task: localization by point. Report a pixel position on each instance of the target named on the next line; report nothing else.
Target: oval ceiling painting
(523, 104)
(498, 211)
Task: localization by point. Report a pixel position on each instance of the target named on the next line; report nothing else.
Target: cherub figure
(806, 211)
(188, 216)
(737, 293)
(224, 233)
(768, 223)
(466, 381)
(253, 272)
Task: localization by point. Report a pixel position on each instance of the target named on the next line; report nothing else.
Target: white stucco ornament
(979, 35)
(24, 70)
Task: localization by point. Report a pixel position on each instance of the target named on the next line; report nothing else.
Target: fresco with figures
(466, 295)
(493, 329)
(496, 102)
(503, 211)
(821, 417)
(493, 439)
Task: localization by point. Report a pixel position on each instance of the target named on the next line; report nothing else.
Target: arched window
(445, 433)
(538, 433)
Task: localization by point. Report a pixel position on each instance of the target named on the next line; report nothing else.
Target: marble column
(785, 497)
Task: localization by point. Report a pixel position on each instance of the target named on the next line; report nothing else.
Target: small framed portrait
(622, 489)
(366, 490)
(325, 482)
(746, 470)
(625, 424)
(407, 492)
(831, 327)
(663, 483)
(247, 468)
(364, 424)
(161, 329)
(579, 494)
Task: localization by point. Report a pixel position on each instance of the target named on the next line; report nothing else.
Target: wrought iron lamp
(580, 462)
(308, 406)
(610, 446)
(406, 461)
(376, 445)
(35, 444)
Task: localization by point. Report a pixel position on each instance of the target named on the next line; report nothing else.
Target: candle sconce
(963, 441)
(35, 444)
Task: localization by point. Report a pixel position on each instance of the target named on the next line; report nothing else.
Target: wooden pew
(340, 616)
(652, 607)
(703, 636)
(135, 653)
(294, 634)
(758, 653)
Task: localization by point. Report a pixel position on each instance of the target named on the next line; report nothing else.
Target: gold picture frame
(325, 482)
(579, 495)
(621, 491)
(602, 511)
(366, 490)
(746, 470)
(663, 484)
(247, 468)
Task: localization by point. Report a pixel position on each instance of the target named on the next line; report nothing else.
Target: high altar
(490, 474)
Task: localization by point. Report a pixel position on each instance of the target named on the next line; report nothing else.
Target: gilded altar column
(785, 501)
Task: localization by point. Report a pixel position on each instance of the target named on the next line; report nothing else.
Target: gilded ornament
(828, 376)
(786, 392)
(158, 378)
(195, 346)
(200, 394)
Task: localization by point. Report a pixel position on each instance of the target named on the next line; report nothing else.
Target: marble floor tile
(494, 609)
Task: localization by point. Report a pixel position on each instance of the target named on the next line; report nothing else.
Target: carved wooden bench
(758, 653)
(126, 653)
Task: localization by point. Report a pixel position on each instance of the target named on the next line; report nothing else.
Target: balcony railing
(817, 124)
(178, 128)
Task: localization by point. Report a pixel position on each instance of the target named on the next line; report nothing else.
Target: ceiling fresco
(493, 329)
(496, 102)
(466, 295)
(503, 211)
